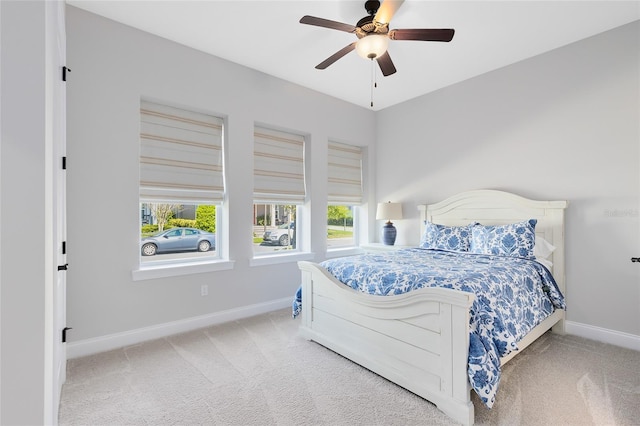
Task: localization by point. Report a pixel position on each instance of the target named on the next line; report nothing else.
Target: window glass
(171, 232)
(341, 220)
(274, 228)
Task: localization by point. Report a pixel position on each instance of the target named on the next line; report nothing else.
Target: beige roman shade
(278, 167)
(180, 155)
(345, 174)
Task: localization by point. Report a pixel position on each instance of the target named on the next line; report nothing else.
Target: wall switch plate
(204, 290)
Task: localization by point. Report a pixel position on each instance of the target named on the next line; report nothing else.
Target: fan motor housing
(371, 6)
(367, 25)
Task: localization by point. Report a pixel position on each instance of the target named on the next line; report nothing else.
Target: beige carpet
(258, 371)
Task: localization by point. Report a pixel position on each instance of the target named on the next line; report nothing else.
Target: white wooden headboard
(491, 207)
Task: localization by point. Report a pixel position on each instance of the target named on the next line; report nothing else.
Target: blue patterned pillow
(441, 237)
(516, 239)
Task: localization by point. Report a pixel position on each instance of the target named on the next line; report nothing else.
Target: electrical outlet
(204, 290)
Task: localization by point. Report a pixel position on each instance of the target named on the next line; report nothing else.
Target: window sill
(350, 251)
(383, 247)
(174, 270)
(280, 258)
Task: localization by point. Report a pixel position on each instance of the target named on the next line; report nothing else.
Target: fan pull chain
(374, 82)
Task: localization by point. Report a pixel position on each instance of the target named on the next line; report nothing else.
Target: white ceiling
(266, 36)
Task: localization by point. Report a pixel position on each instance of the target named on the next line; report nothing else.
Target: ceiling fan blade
(387, 10)
(424, 34)
(326, 23)
(386, 64)
(339, 54)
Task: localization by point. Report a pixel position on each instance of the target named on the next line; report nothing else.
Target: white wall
(563, 125)
(113, 66)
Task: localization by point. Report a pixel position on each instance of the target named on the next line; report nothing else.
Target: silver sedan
(178, 239)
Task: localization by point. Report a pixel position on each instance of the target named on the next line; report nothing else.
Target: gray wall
(113, 66)
(563, 125)
(25, 266)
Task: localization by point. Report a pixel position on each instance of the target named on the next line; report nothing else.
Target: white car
(281, 235)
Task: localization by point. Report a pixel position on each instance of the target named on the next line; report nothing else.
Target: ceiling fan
(373, 34)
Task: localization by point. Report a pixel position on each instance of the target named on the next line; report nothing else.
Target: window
(344, 194)
(181, 184)
(278, 190)
(173, 232)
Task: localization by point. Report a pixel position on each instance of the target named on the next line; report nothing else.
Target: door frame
(56, 301)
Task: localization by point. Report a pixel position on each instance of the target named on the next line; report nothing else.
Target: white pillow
(545, 262)
(542, 250)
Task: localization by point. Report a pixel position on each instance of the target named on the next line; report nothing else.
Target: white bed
(420, 340)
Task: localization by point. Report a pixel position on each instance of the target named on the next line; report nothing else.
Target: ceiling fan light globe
(372, 46)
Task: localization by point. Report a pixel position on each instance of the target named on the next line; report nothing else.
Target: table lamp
(389, 211)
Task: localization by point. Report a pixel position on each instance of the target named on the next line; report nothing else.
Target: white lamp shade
(372, 46)
(389, 211)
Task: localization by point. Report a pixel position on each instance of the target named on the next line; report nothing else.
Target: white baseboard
(118, 340)
(618, 338)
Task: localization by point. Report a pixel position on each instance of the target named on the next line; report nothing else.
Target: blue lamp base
(389, 234)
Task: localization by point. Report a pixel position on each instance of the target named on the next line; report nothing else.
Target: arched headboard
(492, 207)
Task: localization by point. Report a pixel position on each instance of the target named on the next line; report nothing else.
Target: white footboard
(419, 341)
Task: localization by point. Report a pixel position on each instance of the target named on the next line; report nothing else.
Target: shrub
(260, 220)
(206, 218)
(180, 223)
(149, 229)
(340, 222)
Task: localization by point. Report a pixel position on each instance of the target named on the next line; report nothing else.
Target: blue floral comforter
(513, 295)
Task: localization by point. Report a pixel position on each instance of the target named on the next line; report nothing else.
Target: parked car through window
(178, 239)
(283, 235)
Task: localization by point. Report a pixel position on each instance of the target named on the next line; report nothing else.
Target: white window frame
(343, 159)
(176, 267)
(293, 191)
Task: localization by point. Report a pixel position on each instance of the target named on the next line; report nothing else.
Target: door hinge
(64, 73)
(63, 267)
(64, 163)
(64, 334)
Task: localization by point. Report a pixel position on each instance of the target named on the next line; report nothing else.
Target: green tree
(339, 213)
(206, 218)
(163, 212)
